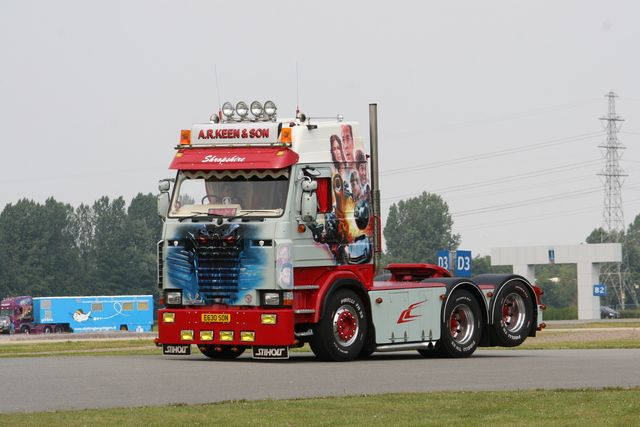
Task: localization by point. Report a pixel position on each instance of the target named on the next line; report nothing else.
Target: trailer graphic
(78, 314)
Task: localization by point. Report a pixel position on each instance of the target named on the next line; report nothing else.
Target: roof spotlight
(242, 109)
(227, 109)
(270, 108)
(256, 109)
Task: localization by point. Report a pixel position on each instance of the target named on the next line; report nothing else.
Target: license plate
(275, 352)
(216, 318)
(176, 349)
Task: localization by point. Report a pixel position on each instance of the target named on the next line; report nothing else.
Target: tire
(461, 327)
(24, 329)
(58, 329)
(340, 334)
(512, 315)
(223, 352)
(47, 329)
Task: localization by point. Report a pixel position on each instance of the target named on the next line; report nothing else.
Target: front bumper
(238, 326)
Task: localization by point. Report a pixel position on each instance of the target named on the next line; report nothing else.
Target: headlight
(269, 319)
(247, 336)
(270, 108)
(186, 335)
(242, 109)
(256, 109)
(227, 109)
(173, 297)
(271, 298)
(226, 335)
(168, 317)
(206, 335)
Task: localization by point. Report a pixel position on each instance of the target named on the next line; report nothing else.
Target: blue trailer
(80, 314)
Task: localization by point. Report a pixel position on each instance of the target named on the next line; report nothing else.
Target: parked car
(609, 313)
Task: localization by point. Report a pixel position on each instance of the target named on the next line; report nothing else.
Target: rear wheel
(340, 334)
(222, 351)
(58, 329)
(512, 315)
(47, 329)
(462, 325)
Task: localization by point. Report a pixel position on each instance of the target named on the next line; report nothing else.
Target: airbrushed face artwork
(347, 230)
(285, 268)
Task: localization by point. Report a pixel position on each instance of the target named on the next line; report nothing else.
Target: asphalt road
(62, 383)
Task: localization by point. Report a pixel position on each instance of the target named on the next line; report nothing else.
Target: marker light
(227, 109)
(241, 109)
(256, 109)
(287, 298)
(185, 137)
(270, 108)
(285, 135)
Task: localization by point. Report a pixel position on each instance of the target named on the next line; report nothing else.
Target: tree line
(109, 248)
(54, 249)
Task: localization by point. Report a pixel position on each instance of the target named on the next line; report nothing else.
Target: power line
(492, 154)
(502, 180)
(491, 120)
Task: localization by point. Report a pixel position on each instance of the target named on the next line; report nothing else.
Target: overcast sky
(494, 105)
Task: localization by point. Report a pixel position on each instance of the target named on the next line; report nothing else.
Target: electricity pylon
(614, 275)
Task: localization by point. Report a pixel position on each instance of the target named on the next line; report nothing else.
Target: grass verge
(616, 406)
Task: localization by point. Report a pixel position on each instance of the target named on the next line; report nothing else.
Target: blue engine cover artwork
(213, 264)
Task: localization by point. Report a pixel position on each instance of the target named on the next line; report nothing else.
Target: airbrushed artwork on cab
(285, 267)
(215, 263)
(347, 230)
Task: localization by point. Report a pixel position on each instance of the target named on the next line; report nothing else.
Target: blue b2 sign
(444, 259)
(599, 290)
(463, 263)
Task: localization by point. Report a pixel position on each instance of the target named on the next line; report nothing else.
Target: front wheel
(340, 334)
(462, 325)
(512, 315)
(24, 329)
(225, 352)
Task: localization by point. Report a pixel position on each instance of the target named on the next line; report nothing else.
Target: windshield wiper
(209, 216)
(245, 213)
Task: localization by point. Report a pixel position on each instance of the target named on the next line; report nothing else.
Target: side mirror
(309, 208)
(164, 200)
(164, 203)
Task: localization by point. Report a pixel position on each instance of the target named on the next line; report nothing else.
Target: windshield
(230, 193)
(6, 312)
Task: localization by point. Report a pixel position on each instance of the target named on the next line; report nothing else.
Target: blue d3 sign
(444, 259)
(463, 263)
(599, 290)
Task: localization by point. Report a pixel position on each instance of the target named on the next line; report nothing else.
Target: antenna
(215, 70)
(297, 91)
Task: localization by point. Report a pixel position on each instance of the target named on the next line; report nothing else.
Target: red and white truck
(271, 239)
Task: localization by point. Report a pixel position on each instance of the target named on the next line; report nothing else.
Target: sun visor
(234, 158)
